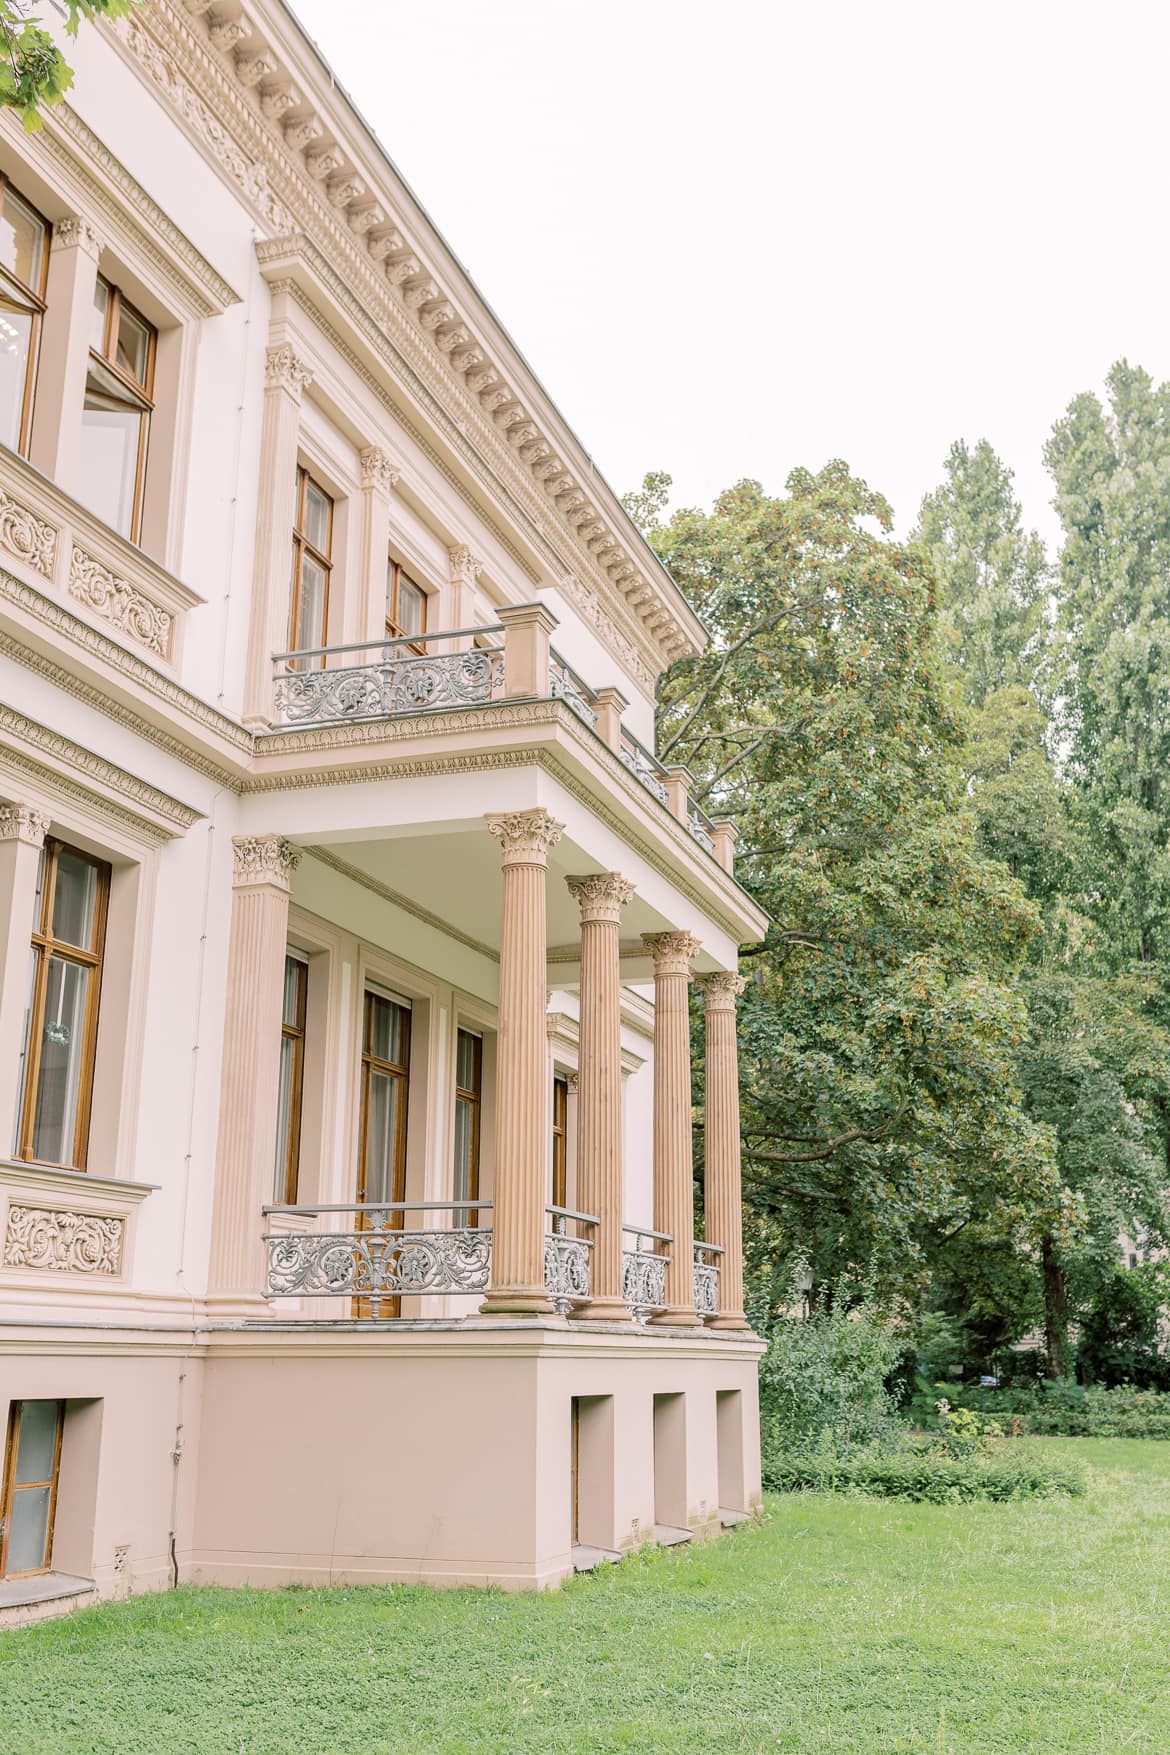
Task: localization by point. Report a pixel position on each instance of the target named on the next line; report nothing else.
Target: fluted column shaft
(721, 1185)
(246, 1148)
(674, 1202)
(599, 1094)
(517, 1285)
(22, 835)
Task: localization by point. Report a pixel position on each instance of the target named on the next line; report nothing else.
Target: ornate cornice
(377, 469)
(263, 859)
(525, 836)
(284, 369)
(672, 951)
(601, 896)
(721, 990)
(51, 757)
(23, 822)
(228, 88)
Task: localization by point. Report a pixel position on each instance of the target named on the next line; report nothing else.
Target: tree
(881, 1119)
(33, 71)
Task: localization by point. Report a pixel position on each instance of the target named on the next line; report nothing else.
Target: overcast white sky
(732, 238)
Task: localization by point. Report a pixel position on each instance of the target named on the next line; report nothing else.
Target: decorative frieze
(263, 859)
(63, 1242)
(26, 537)
(120, 603)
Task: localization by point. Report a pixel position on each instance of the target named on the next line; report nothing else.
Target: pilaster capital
(465, 567)
(672, 951)
(263, 859)
(284, 369)
(525, 836)
(601, 896)
(377, 469)
(23, 822)
(721, 990)
(74, 233)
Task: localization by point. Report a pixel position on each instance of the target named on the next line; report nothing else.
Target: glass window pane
(464, 1121)
(97, 327)
(466, 1058)
(36, 1445)
(411, 607)
(22, 241)
(15, 343)
(309, 632)
(387, 1029)
(26, 1039)
(29, 1530)
(111, 428)
(75, 900)
(284, 1116)
(294, 975)
(133, 345)
(381, 1134)
(317, 509)
(62, 1059)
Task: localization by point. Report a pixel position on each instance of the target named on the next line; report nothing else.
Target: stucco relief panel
(62, 1241)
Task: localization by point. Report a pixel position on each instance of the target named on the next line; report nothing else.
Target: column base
(731, 1320)
(603, 1310)
(237, 1306)
(680, 1318)
(518, 1303)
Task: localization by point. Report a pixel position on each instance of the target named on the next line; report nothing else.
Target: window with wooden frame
(560, 1141)
(292, 1079)
(60, 1035)
(385, 1076)
(28, 1501)
(24, 267)
(468, 1100)
(312, 565)
(115, 425)
(406, 606)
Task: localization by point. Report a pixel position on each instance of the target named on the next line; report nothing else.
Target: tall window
(468, 1093)
(406, 605)
(560, 1142)
(308, 611)
(61, 1022)
(385, 1071)
(32, 1463)
(24, 264)
(292, 1079)
(115, 426)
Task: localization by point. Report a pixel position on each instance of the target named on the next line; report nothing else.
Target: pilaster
(22, 834)
(64, 352)
(286, 376)
(367, 619)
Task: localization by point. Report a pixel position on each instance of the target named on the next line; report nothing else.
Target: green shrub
(822, 1381)
(1066, 1410)
(933, 1476)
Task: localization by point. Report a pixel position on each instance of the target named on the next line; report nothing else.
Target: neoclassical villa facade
(350, 928)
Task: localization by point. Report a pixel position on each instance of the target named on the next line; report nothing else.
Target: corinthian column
(721, 1185)
(674, 1200)
(246, 1148)
(517, 1286)
(599, 1094)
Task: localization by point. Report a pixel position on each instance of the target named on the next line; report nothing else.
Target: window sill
(45, 1587)
(55, 1180)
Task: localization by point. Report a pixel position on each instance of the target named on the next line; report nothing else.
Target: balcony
(457, 669)
(378, 1257)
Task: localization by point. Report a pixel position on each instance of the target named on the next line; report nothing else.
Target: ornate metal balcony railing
(644, 766)
(644, 1272)
(378, 1256)
(566, 1258)
(706, 1278)
(565, 685)
(700, 826)
(385, 679)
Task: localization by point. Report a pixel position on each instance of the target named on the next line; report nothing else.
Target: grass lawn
(838, 1625)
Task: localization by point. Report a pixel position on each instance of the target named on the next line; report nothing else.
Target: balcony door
(381, 1172)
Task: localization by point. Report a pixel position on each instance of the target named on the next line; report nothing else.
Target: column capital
(464, 566)
(284, 369)
(721, 990)
(672, 951)
(377, 469)
(525, 836)
(263, 859)
(23, 822)
(74, 233)
(601, 896)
